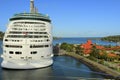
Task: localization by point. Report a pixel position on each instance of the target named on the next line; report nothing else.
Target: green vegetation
(112, 38)
(78, 50)
(1, 35)
(96, 54)
(67, 47)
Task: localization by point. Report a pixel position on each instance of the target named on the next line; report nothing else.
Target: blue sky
(71, 18)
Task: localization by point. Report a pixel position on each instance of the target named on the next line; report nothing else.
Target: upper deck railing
(31, 16)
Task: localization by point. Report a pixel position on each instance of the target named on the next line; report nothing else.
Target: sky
(70, 18)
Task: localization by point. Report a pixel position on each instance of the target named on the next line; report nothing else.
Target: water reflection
(73, 68)
(35, 74)
(41, 74)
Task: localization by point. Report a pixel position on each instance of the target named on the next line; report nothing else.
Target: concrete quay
(93, 65)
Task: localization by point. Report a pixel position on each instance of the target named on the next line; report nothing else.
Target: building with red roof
(87, 47)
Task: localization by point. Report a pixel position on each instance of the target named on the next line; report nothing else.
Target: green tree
(64, 46)
(95, 52)
(79, 50)
(1, 35)
(115, 38)
(67, 47)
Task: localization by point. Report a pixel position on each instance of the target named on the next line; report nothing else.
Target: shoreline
(107, 72)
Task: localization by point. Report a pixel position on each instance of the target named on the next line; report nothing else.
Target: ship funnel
(31, 6)
(33, 9)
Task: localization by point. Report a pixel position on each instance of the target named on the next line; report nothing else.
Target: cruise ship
(27, 42)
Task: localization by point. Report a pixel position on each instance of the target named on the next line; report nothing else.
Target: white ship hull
(27, 65)
(27, 42)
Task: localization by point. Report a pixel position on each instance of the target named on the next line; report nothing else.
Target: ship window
(11, 52)
(13, 46)
(45, 36)
(42, 29)
(30, 46)
(18, 52)
(6, 46)
(42, 26)
(14, 32)
(48, 40)
(26, 36)
(36, 36)
(6, 40)
(36, 32)
(30, 36)
(34, 52)
(46, 45)
(38, 46)
(31, 32)
(40, 32)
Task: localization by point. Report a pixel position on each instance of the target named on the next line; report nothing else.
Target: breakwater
(93, 65)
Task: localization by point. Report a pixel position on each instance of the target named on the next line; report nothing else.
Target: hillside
(115, 38)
